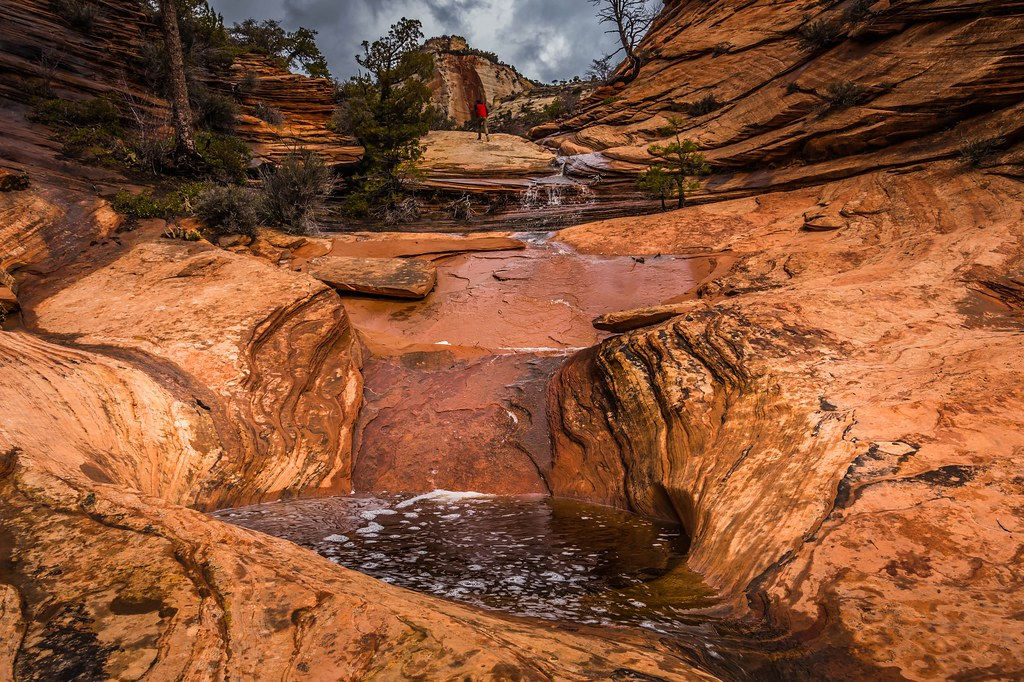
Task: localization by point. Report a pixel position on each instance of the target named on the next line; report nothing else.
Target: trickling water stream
(527, 556)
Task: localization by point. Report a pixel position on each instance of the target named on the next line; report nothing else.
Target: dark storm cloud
(544, 39)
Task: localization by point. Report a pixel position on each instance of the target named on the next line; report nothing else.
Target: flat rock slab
(392, 277)
(626, 320)
(422, 246)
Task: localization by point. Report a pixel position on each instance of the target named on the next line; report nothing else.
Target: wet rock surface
(841, 446)
(389, 277)
(530, 556)
(835, 420)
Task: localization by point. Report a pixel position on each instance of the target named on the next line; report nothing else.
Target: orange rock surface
(818, 372)
(836, 421)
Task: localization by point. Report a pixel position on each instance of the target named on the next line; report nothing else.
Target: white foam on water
(336, 538)
(372, 528)
(371, 514)
(441, 496)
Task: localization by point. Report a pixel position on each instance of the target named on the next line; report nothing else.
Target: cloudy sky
(545, 39)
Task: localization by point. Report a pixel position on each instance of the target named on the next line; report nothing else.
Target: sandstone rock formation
(152, 375)
(392, 277)
(463, 76)
(809, 92)
(305, 106)
(817, 372)
(42, 51)
(836, 420)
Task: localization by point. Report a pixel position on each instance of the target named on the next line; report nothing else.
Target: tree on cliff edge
(679, 167)
(628, 21)
(184, 137)
(387, 108)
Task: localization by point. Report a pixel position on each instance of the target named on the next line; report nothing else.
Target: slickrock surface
(8, 300)
(437, 421)
(397, 245)
(455, 385)
(102, 581)
(462, 77)
(176, 374)
(266, 351)
(926, 77)
(390, 277)
(837, 422)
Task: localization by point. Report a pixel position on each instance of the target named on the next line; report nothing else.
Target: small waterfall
(555, 192)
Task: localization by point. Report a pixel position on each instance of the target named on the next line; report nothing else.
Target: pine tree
(388, 110)
(679, 167)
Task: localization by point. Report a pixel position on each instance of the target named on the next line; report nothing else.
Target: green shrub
(974, 152)
(228, 210)
(821, 33)
(141, 205)
(213, 110)
(225, 158)
(844, 94)
(182, 200)
(857, 10)
(87, 129)
(705, 105)
(248, 84)
(97, 111)
(182, 234)
(81, 14)
(14, 182)
(294, 192)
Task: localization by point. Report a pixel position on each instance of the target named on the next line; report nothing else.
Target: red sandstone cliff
(463, 76)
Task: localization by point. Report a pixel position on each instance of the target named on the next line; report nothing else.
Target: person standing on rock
(481, 116)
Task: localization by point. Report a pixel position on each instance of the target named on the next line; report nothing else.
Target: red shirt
(481, 111)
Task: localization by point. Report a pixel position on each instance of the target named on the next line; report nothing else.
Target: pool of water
(528, 556)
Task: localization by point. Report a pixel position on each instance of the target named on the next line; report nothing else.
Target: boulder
(391, 277)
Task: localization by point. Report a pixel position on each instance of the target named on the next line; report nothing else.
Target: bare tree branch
(628, 20)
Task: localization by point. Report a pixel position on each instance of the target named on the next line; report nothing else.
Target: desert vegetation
(678, 167)
(387, 109)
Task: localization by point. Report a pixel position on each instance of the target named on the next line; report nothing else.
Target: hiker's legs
(480, 124)
(487, 131)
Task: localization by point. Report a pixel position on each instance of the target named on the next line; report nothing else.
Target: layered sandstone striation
(835, 420)
(463, 76)
(46, 55)
(804, 92)
(834, 414)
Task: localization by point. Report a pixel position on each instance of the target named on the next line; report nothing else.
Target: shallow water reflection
(552, 559)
